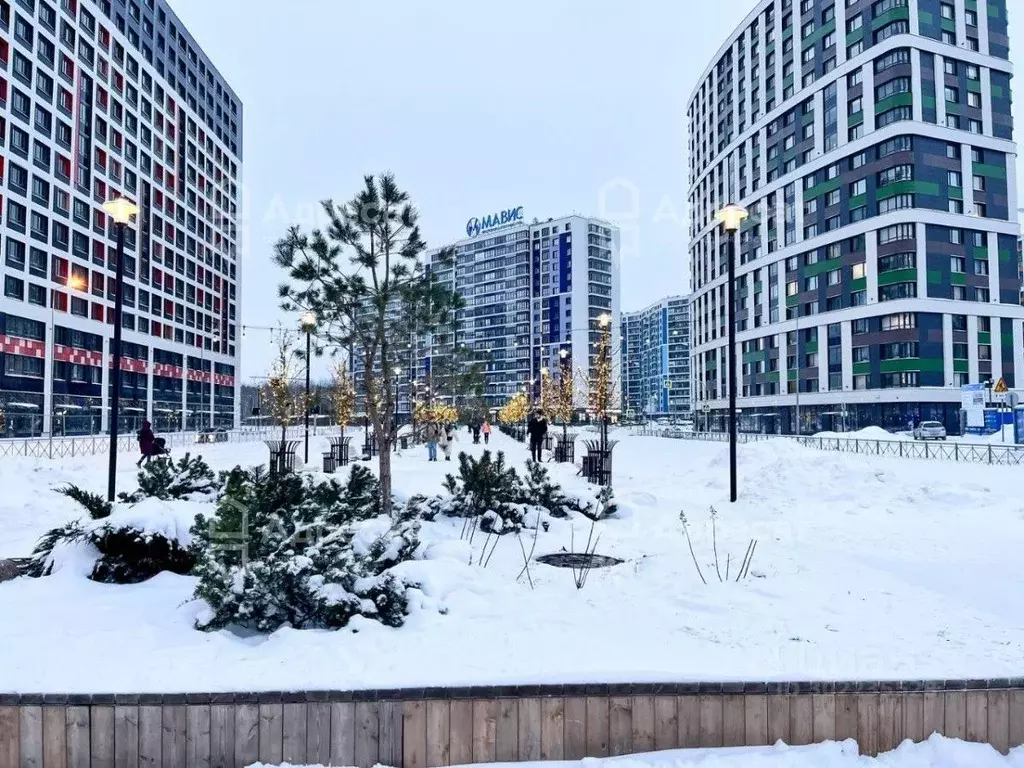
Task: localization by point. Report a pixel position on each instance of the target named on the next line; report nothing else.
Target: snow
(868, 433)
(865, 568)
(936, 752)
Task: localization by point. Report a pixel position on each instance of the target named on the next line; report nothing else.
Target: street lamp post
(731, 217)
(121, 210)
(563, 361)
(398, 372)
(605, 323)
(308, 323)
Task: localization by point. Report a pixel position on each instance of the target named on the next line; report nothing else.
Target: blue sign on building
(993, 420)
(1018, 425)
(477, 226)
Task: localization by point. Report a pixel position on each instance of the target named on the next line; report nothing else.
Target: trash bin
(403, 442)
(330, 462)
(282, 455)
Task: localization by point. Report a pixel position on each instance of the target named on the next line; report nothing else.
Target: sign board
(1000, 387)
(478, 226)
(993, 420)
(1012, 399)
(972, 401)
(1018, 425)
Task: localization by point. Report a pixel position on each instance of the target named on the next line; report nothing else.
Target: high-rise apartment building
(871, 142)
(656, 360)
(532, 290)
(100, 99)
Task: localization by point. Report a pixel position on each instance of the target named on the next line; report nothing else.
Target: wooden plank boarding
(620, 725)
(293, 733)
(367, 747)
(575, 728)
(801, 718)
(711, 721)
(55, 734)
(552, 728)
(688, 713)
(76, 721)
(755, 720)
(867, 723)
(1016, 718)
(101, 737)
(507, 731)
(461, 748)
(976, 709)
(734, 728)
(823, 707)
(414, 735)
(999, 720)
(913, 717)
(343, 733)
(643, 724)
(934, 713)
(529, 730)
(389, 741)
(151, 736)
(438, 734)
(31, 730)
(846, 716)
(778, 718)
(956, 715)
(485, 730)
(597, 726)
(247, 734)
(666, 722)
(890, 721)
(197, 735)
(10, 737)
(222, 735)
(175, 736)
(126, 736)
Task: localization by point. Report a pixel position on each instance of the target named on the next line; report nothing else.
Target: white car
(929, 430)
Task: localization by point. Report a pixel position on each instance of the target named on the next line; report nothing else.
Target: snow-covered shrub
(131, 544)
(94, 504)
(164, 478)
(504, 502)
(287, 550)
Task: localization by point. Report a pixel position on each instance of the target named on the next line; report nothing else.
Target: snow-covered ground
(936, 752)
(864, 569)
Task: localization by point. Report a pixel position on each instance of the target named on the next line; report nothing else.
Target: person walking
(446, 440)
(431, 434)
(537, 428)
(486, 429)
(475, 429)
(147, 444)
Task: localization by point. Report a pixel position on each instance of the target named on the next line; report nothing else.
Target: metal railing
(95, 445)
(967, 453)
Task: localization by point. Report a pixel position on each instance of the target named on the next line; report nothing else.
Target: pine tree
(378, 301)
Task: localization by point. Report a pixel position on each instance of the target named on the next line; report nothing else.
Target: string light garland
(515, 410)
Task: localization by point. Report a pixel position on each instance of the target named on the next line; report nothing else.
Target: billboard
(972, 400)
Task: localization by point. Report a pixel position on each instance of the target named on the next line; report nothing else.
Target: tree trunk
(384, 470)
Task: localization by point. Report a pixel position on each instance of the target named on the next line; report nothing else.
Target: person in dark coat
(536, 428)
(147, 443)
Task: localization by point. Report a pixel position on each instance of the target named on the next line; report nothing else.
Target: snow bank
(868, 433)
(866, 568)
(936, 752)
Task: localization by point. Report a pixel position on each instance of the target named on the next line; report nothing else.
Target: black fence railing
(67, 447)
(967, 453)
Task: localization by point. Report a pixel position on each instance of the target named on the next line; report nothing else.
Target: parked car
(929, 430)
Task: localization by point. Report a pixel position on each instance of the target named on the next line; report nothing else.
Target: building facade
(656, 360)
(871, 141)
(532, 290)
(100, 99)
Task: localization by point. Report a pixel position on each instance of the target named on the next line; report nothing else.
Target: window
(854, 78)
(832, 198)
(897, 144)
(954, 179)
(984, 351)
(895, 174)
(892, 87)
(858, 187)
(858, 160)
(893, 261)
(895, 115)
(811, 283)
(14, 288)
(957, 264)
(857, 271)
(952, 94)
(953, 151)
(960, 352)
(900, 27)
(974, 126)
(895, 203)
(980, 209)
(979, 183)
(981, 294)
(861, 326)
(899, 322)
(980, 267)
(947, 11)
(953, 121)
(895, 232)
(950, 67)
(973, 73)
(974, 100)
(956, 236)
(835, 277)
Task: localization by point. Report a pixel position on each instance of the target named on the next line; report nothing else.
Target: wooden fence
(435, 727)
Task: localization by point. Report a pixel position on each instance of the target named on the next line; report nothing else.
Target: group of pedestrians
(443, 435)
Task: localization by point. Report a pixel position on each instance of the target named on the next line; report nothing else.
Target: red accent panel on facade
(25, 347)
(77, 356)
(167, 370)
(130, 364)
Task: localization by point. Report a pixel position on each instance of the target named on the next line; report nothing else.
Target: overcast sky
(476, 107)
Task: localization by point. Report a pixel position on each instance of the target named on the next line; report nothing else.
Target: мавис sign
(477, 226)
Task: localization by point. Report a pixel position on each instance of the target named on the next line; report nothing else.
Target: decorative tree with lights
(365, 280)
(565, 394)
(343, 395)
(515, 410)
(547, 393)
(601, 385)
(285, 401)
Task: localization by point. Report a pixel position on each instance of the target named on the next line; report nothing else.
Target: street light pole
(308, 322)
(120, 210)
(731, 217)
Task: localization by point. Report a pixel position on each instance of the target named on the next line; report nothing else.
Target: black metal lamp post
(398, 372)
(731, 217)
(121, 210)
(308, 324)
(563, 361)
